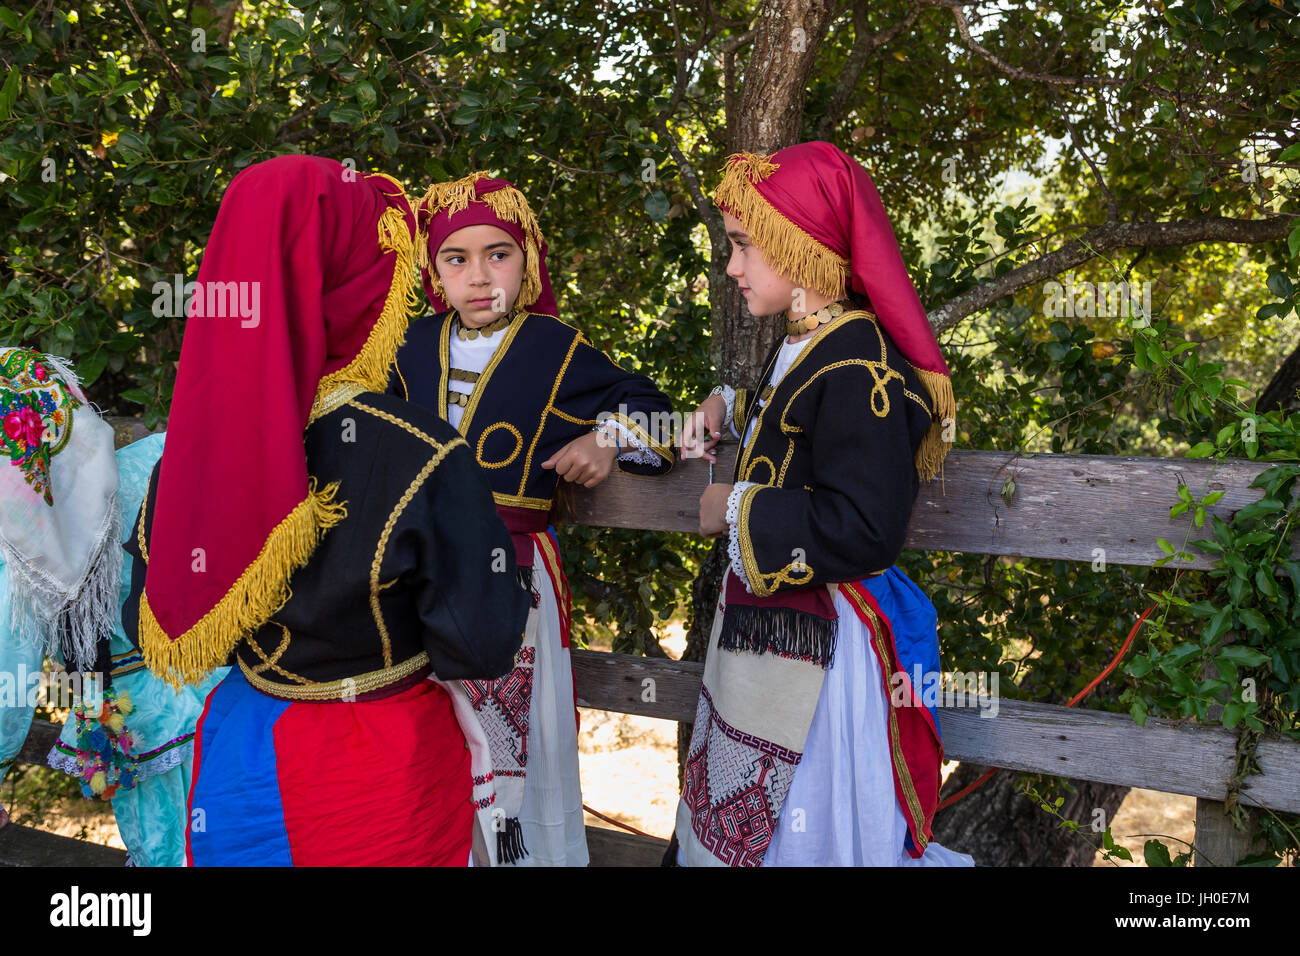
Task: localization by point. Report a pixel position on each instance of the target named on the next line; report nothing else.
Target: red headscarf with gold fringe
(326, 255)
(480, 200)
(815, 213)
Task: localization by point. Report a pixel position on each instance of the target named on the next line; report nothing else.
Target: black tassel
(782, 630)
(670, 854)
(526, 582)
(510, 842)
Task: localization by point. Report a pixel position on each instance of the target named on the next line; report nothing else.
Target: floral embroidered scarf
(58, 518)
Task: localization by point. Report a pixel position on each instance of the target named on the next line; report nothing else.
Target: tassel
(780, 630)
(258, 593)
(525, 578)
(510, 842)
(933, 450)
(789, 250)
(453, 196)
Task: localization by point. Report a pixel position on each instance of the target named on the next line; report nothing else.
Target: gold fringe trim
(933, 450)
(509, 204)
(373, 364)
(257, 594)
(453, 196)
(789, 250)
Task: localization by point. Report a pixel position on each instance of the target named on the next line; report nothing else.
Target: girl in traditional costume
(141, 760)
(537, 403)
(60, 560)
(810, 744)
(336, 543)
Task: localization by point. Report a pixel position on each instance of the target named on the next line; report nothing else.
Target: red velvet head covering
(815, 213)
(478, 200)
(320, 261)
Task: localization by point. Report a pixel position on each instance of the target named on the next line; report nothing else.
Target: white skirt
(551, 816)
(842, 809)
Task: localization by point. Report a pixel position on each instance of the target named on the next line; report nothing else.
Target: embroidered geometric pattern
(502, 706)
(735, 785)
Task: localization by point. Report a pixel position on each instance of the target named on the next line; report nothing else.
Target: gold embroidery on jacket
(519, 445)
(272, 661)
(440, 451)
(342, 689)
(550, 406)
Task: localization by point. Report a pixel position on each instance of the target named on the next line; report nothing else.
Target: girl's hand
(713, 510)
(704, 428)
(584, 461)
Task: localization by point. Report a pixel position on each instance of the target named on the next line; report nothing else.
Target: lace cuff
(729, 396)
(733, 532)
(634, 450)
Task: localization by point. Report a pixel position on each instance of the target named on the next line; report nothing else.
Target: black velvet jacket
(833, 458)
(544, 387)
(420, 574)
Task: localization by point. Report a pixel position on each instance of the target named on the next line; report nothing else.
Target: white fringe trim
(68, 624)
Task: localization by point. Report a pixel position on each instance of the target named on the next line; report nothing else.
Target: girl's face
(766, 291)
(481, 269)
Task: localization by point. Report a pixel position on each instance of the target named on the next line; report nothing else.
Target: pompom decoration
(105, 763)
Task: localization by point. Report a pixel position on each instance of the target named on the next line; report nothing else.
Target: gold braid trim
(509, 204)
(789, 250)
(257, 594)
(933, 450)
(373, 364)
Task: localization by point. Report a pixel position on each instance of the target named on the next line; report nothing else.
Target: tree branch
(1112, 207)
(153, 44)
(1101, 240)
(865, 46)
(708, 214)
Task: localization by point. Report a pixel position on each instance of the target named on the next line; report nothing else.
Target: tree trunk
(1001, 827)
(769, 115)
(1280, 392)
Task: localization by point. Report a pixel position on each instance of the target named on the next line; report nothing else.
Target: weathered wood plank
(1217, 841)
(618, 682)
(1064, 506)
(608, 847)
(25, 846)
(1164, 755)
(1043, 738)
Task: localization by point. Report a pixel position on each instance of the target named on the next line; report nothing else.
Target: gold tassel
(789, 250)
(453, 196)
(257, 594)
(531, 289)
(933, 450)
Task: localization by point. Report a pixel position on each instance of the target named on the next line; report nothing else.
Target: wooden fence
(1063, 507)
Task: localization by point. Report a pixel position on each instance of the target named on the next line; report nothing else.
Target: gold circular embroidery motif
(482, 439)
(771, 470)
